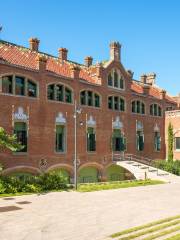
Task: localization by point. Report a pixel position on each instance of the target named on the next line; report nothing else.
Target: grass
(176, 237)
(144, 226)
(90, 187)
(152, 230)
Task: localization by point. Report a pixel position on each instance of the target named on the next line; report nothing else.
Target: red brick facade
(41, 113)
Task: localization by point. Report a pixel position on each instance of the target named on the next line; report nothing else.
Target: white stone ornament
(156, 128)
(60, 119)
(91, 122)
(117, 124)
(139, 125)
(20, 115)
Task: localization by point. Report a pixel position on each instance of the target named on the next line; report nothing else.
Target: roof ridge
(47, 54)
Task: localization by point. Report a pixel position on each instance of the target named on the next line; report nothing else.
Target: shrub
(52, 181)
(2, 188)
(31, 188)
(169, 166)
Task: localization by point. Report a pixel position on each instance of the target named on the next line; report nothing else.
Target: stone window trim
(157, 133)
(120, 77)
(93, 97)
(61, 120)
(119, 98)
(158, 105)
(26, 78)
(64, 86)
(145, 108)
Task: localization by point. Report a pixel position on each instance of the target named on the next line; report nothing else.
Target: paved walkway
(87, 216)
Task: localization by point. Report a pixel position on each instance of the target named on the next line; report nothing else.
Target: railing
(131, 157)
(175, 113)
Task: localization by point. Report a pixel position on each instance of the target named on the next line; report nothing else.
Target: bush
(52, 181)
(31, 188)
(34, 184)
(169, 166)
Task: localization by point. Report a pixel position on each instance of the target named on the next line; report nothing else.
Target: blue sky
(149, 31)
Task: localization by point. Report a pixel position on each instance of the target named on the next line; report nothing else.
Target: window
(20, 130)
(60, 138)
(138, 107)
(118, 141)
(51, 92)
(68, 95)
(91, 139)
(155, 110)
(140, 140)
(177, 143)
(20, 86)
(115, 79)
(110, 83)
(116, 103)
(31, 89)
(7, 84)
(157, 141)
(110, 102)
(83, 97)
(97, 100)
(89, 98)
(59, 93)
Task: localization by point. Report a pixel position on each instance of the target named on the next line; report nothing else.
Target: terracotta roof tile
(24, 57)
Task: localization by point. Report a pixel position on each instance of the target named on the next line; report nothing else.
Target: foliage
(170, 142)
(89, 187)
(169, 166)
(9, 141)
(33, 184)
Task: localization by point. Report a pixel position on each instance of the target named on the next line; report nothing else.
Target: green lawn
(90, 187)
(153, 230)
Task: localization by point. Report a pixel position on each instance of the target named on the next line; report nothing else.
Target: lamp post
(76, 112)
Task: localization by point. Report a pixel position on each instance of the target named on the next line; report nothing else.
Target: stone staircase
(142, 168)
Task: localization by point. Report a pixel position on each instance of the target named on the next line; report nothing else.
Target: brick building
(119, 115)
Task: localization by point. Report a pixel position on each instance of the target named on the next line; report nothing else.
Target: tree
(170, 142)
(9, 141)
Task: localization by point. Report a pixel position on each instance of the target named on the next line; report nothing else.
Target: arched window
(116, 103)
(20, 130)
(59, 93)
(115, 79)
(138, 107)
(18, 85)
(155, 110)
(89, 98)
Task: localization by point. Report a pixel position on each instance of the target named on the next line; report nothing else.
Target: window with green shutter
(60, 138)
(20, 130)
(91, 139)
(118, 141)
(140, 141)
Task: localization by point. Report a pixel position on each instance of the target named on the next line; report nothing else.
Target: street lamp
(76, 112)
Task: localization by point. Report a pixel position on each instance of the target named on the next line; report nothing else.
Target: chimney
(75, 71)
(146, 89)
(88, 61)
(151, 79)
(162, 94)
(99, 69)
(115, 51)
(41, 62)
(143, 78)
(130, 73)
(63, 53)
(34, 44)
